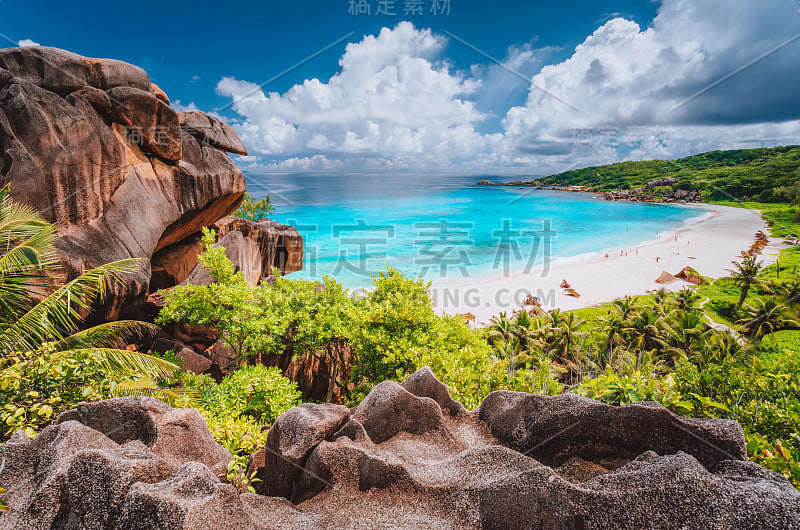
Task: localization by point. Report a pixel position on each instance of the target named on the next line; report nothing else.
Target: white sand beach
(707, 243)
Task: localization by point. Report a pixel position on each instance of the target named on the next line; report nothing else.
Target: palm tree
(790, 290)
(644, 329)
(684, 334)
(685, 299)
(766, 317)
(745, 275)
(565, 334)
(722, 347)
(626, 306)
(613, 326)
(28, 262)
(501, 328)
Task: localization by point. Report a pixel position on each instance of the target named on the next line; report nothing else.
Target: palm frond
(57, 315)
(147, 387)
(105, 335)
(126, 363)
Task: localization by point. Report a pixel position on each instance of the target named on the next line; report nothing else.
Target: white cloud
(396, 104)
(623, 76)
(27, 42)
(306, 163)
(391, 98)
(177, 105)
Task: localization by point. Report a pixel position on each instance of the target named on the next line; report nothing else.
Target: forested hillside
(747, 174)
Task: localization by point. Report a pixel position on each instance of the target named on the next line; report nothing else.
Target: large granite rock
(95, 148)
(501, 466)
(176, 435)
(555, 429)
(280, 245)
(243, 253)
(75, 477)
(291, 439)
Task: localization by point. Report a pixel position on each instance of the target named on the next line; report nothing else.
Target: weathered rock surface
(176, 435)
(75, 477)
(524, 461)
(582, 427)
(518, 461)
(291, 439)
(280, 245)
(424, 384)
(193, 361)
(93, 145)
(172, 265)
(211, 131)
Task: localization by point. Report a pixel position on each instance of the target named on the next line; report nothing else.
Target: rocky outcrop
(526, 461)
(94, 146)
(291, 439)
(598, 432)
(668, 181)
(243, 253)
(658, 190)
(176, 435)
(518, 461)
(74, 476)
(280, 246)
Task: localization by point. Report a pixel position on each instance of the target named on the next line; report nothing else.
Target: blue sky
(581, 82)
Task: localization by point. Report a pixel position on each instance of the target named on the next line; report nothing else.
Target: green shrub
(255, 392)
(399, 333)
(35, 388)
(254, 209)
(237, 408)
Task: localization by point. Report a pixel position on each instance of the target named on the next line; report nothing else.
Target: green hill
(743, 174)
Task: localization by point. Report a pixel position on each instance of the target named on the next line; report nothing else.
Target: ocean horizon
(446, 228)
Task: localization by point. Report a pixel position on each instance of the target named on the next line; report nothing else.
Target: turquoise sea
(448, 227)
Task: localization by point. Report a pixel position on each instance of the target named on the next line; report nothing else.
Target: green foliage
(237, 408)
(254, 209)
(239, 310)
(622, 389)
(399, 333)
(35, 388)
(765, 175)
(745, 275)
(697, 371)
(47, 363)
(255, 392)
(237, 475)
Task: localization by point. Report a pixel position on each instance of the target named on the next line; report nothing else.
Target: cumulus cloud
(686, 83)
(391, 99)
(630, 80)
(27, 42)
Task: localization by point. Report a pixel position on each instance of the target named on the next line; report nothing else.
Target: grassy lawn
(787, 340)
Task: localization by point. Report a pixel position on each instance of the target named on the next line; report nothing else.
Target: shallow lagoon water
(448, 227)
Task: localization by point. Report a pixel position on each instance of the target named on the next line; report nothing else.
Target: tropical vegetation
(768, 175)
(728, 349)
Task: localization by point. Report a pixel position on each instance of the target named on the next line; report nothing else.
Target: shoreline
(707, 242)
